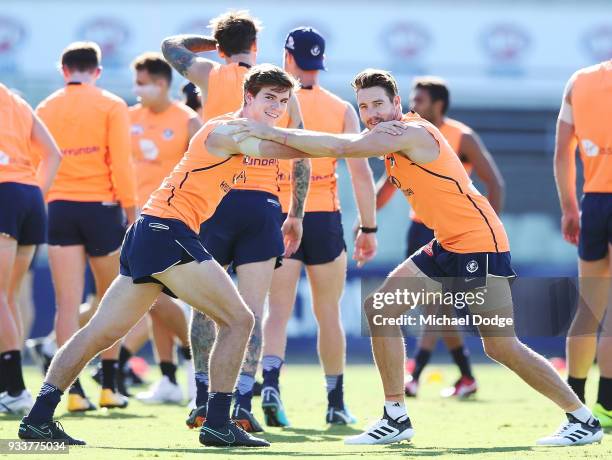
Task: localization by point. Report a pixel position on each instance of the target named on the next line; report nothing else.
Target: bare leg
(20, 268)
(166, 311)
(138, 336)
(163, 339)
(10, 338)
(26, 303)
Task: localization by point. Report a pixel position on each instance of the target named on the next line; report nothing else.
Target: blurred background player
(89, 200)
(161, 129)
(584, 119)
(322, 249)
(430, 98)
(23, 226)
(192, 98)
(251, 242)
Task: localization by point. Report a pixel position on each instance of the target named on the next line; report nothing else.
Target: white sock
(396, 410)
(583, 414)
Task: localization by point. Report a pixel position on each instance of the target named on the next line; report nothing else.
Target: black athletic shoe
(46, 431)
(197, 417)
(132, 378)
(246, 420)
(230, 435)
(257, 387)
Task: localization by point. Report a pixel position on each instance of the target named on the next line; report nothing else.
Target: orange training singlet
(591, 100)
(16, 162)
(443, 195)
(325, 112)
(92, 128)
(159, 141)
(197, 184)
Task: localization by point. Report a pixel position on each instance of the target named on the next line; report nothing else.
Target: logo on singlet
(471, 266)
(137, 130)
(4, 158)
(590, 148)
(395, 182)
(168, 134)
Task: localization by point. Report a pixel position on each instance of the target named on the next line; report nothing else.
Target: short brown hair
(235, 31)
(263, 75)
(370, 78)
(437, 89)
(154, 64)
(81, 56)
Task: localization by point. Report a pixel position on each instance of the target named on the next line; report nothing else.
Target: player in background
(162, 252)
(251, 242)
(89, 200)
(191, 97)
(471, 251)
(322, 250)
(430, 98)
(161, 129)
(584, 120)
(23, 226)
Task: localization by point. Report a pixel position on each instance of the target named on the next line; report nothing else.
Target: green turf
(502, 422)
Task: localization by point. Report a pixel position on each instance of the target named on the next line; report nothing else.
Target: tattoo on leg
(203, 334)
(253, 353)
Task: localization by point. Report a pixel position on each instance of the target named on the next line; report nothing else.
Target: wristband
(368, 229)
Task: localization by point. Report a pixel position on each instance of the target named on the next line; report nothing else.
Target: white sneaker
(191, 384)
(384, 431)
(163, 391)
(19, 405)
(574, 433)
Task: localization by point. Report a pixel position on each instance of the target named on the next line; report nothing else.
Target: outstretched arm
(180, 52)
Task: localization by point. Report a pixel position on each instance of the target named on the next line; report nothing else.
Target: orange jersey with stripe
(16, 161)
(193, 190)
(443, 195)
(325, 112)
(224, 93)
(159, 141)
(92, 128)
(453, 131)
(591, 100)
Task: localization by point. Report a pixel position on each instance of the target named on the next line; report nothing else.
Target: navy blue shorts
(22, 213)
(418, 236)
(322, 239)
(595, 226)
(152, 245)
(100, 227)
(245, 228)
(462, 271)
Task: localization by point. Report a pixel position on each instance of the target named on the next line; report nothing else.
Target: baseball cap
(307, 46)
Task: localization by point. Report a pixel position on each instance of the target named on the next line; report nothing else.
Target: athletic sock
(185, 352)
(420, 361)
(578, 386)
(2, 381)
(76, 388)
(271, 366)
(583, 414)
(109, 370)
(335, 391)
(169, 370)
(45, 404)
(124, 357)
(244, 391)
(604, 394)
(462, 360)
(10, 366)
(218, 412)
(201, 380)
(396, 410)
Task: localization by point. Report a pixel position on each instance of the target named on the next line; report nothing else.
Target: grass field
(501, 423)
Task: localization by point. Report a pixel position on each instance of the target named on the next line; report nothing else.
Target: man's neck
(246, 58)
(438, 121)
(160, 106)
(308, 78)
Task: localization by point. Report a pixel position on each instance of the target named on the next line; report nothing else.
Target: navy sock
(201, 379)
(604, 395)
(2, 382)
(169, 370)
(124, 357)
(271, 366)
(335, 391)
(45, 404)
(420, 361)
(244, 391)
(185, 352)
(461, 357)
(218, 413)
(10, 367)
(578, 386)
(109, 368)
(76, 388)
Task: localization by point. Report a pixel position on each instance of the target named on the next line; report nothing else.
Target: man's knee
(501, 349)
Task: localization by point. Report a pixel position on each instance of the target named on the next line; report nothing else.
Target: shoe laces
(563, 429)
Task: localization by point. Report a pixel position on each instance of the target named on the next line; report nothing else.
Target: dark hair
(263, 75)
(154, 64)
(437, 89)
(235, 31)
(370, 78)
(192, 96)
(81, 56)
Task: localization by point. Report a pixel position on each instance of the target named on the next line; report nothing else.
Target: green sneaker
(604, 416)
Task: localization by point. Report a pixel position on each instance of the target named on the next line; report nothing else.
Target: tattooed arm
(181, 53)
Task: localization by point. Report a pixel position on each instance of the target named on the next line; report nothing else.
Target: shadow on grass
(438, 451)
(104, 415)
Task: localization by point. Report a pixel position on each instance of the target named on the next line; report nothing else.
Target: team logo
(590, 148)
(12, 34)
(136, 130)
(471, 266)
(395, 182)
(168, 134)
(290, 43)
(598, 42)
(407, 39)
(111, 34)
(505, 43)
(315, 50)
(149, 149)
